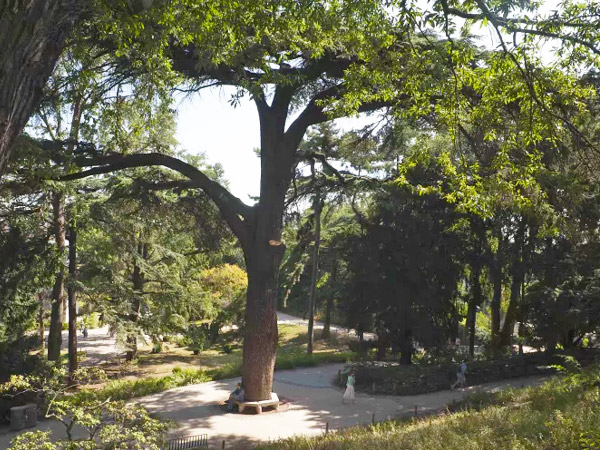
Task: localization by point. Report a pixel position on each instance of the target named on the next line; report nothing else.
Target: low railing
(186, 442)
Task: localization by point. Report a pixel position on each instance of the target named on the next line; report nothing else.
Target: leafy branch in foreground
(90, 423)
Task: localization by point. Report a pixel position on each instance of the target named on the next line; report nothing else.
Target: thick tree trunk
(32, 38)
(263, 251)
(71, 293)
(260, 337)
(315, 273)
(138, 281)
(513, 309)
(58, 292)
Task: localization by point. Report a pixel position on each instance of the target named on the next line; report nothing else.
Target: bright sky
(207, 123)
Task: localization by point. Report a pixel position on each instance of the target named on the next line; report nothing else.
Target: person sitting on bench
(237, 395)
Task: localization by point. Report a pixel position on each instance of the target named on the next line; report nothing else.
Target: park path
(312, 402)
(99, 346)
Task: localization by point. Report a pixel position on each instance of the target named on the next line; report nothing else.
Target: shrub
(196, 338)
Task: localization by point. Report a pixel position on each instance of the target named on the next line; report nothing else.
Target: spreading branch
(234, 211)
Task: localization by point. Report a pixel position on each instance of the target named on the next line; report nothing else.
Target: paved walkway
(312, 402)
(99, 346)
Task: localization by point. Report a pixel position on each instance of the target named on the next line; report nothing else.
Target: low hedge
(411, 380)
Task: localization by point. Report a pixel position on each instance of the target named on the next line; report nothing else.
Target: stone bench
(23, 416)
(259, 405)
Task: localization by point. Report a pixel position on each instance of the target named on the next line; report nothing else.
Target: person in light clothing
(349, 393)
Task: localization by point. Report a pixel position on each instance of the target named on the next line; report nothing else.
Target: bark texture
(496, 274)
(32, 38)
(329, 305)
(138, 279)
(315, 273)
(264, 250)
(58, 292)
(518, 276)
(71, 294)
(476, 300)
(41, 328)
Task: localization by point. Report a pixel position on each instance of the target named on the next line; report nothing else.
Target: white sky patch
(207, 123)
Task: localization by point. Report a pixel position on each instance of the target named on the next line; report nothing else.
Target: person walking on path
(349, 393)
(461, 379)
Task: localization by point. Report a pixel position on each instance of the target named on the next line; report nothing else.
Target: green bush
(226, 371)
(196, 338)
(287, 361)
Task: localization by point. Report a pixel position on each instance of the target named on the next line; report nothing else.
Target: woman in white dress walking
(349, 393)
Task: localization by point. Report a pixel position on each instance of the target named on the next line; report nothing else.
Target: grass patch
(214, 365)
(292, 360)
(564, 413)
(128, 389)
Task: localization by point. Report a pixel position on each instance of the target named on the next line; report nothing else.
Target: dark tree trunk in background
(406, 349)
(512, 312)
(496, 275)
(41, 328)
(32, 37)
(315, 272)
(476, 300)
(71, 294)
(329, 304)
(138, 280)
(73, 136)
(58, 292)
(518, 275)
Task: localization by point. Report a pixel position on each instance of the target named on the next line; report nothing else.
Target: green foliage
(226, 285)
(404, 272)
(104, 422)
(128, 389)
(291, 360)
(196, 338)
(26, 266)
(562, 413)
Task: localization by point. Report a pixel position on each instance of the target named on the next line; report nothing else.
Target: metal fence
(186, 442)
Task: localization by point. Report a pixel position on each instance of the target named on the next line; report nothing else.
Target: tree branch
(512, 25)
(314, 113)
(234, 211)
